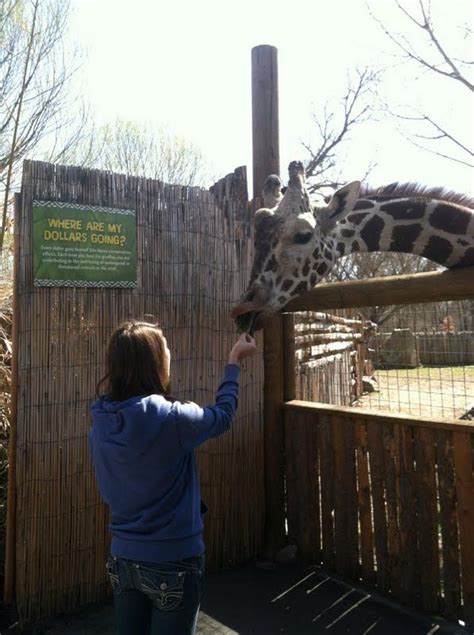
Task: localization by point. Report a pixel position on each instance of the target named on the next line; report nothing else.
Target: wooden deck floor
(293, 600)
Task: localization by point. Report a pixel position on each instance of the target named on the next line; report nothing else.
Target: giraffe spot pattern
(450, 219)
(438, 249)
(322, 269)
(272, 264)
(371, 232)
(356, 219)
(347, 233)
(287, 285)
(301, 288)
(341, 247)
(355, 246)
(305, 269)
(467, 259)
(363, 204)
(399, 210)
(404, 236)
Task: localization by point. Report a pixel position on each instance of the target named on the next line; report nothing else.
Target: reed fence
(194, 257)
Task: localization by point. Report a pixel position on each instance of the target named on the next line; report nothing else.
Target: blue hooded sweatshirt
(143, 454)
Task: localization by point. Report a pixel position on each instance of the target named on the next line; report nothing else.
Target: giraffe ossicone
(297, 243)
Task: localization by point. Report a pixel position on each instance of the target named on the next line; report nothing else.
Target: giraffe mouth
(249, 322)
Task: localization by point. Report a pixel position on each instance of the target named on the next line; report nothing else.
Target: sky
(186, 65)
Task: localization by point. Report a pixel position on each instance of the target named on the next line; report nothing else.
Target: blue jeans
(156, 598)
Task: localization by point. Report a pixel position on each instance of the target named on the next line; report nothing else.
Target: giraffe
(296, 243)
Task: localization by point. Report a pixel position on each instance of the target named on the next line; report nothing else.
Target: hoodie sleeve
(196, 425)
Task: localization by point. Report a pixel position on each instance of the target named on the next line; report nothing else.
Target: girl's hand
(244, 347)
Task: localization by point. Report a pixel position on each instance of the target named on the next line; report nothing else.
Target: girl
(142, 444)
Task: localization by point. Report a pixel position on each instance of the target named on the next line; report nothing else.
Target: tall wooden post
(266, 160)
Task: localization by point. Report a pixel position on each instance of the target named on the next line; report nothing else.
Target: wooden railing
(386, 500)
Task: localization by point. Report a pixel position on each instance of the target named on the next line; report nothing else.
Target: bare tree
(142, 150)
(34, 80)
(419, 43)
(334, 125)
(361, 266)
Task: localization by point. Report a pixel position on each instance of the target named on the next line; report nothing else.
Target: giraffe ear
(342, 203)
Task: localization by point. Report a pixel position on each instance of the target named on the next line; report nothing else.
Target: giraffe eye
(301, 238)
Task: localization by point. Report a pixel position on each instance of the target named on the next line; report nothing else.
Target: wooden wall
(330, 352)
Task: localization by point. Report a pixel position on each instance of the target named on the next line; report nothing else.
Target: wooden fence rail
(384, 499)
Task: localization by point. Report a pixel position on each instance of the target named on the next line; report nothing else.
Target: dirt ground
(439, 392)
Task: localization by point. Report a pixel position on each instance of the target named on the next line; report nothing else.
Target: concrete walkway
(292, 599)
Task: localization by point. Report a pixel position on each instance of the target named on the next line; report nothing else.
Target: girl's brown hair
(136, 362)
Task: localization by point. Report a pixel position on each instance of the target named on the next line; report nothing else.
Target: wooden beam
(361, 414)
(265, 125)
(435, 286)
(266, 160)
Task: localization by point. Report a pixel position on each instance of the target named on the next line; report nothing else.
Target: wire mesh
(413, 359)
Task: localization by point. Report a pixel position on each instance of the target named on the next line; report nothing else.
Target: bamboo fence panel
(194, 251)
(396, 502)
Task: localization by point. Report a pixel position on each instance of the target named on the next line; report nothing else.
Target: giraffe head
(293, 245)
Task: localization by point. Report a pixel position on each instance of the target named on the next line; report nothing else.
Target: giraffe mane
(404, 190)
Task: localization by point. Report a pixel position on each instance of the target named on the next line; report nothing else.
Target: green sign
(83, 246)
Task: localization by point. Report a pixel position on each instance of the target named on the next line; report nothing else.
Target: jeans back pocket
(111, 568)
(164, 588)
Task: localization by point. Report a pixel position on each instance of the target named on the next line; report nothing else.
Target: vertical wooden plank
(327, 471)
(377, 476)
(451, 567)
(308, 483)
(314, 477)
(390, 435)
(302, 483)
(350, 481)
(292, 442)
(364, 504)
(408, 506)
(465, 496)
(341, 546)
(428, 518)
(346, 525)
(266, 160)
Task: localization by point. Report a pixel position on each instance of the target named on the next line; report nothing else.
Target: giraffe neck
(441, 231)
